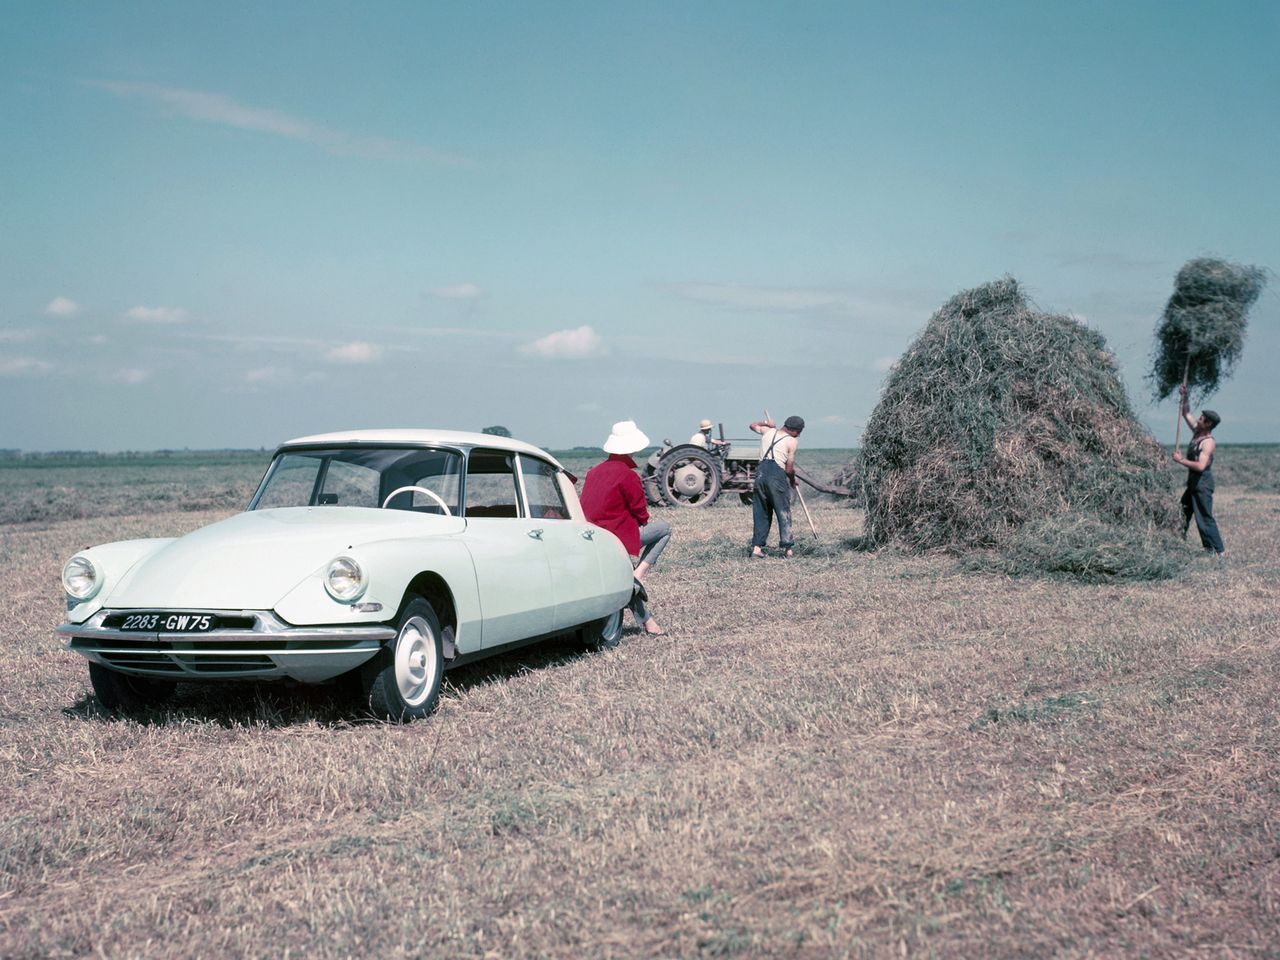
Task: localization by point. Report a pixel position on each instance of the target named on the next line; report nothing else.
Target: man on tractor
(704, 439)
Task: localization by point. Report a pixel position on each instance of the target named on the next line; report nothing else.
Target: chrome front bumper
(270, 649)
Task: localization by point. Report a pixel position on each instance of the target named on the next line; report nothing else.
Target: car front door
(571, 545)
(509, 549)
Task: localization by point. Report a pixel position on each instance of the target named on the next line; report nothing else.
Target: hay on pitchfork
(1000, 415)
(1201, 333)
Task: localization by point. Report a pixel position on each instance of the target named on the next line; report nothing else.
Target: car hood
(252, 560)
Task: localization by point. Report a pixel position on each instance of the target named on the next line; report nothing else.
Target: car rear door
(571, 545)
(509, 549)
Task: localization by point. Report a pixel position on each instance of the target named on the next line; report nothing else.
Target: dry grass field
(846, 754)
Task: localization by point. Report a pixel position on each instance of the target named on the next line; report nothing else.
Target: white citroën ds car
(383, 556)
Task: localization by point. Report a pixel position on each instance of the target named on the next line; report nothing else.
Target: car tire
(605, 633)
(125, 693)
(406, 682)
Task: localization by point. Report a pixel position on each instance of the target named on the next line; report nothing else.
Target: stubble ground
(842, 754)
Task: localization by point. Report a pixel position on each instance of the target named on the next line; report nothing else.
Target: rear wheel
(126, 693)
(406, 685)
(689, 477)
(605, 633)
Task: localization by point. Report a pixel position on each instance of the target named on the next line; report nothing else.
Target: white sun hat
(626, 438)
(705, 425)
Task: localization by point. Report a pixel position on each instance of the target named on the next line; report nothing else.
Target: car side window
(491, 484)
(546, 502)
(444, 486)
(439, 471)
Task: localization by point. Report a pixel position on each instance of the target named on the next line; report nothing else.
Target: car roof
(419, 437)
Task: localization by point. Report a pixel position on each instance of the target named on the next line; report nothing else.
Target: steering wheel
(434, 496)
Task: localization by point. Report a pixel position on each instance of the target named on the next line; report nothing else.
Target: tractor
(687, 475)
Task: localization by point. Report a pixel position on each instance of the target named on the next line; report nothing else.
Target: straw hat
(705, 425)
(626, 438)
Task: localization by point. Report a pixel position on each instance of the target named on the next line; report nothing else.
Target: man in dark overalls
(775, 477)
(1197, 500)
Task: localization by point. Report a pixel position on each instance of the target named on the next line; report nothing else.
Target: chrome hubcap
(690, 480)
(416, 664)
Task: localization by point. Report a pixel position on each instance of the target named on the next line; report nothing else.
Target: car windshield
(402, 478)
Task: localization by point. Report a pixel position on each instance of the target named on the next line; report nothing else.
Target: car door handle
(588, 534)
(536, 534)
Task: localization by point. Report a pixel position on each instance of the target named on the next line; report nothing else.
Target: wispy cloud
(775, 299)
(23, 366)
(62, 307)
(268, 374)
(249, 342)
(471, 333)
(225, 111)
(887, 307)
(575, 344)
(1107, 260)
(357, 352)
(157, 314)
(131, 376)
(17, 336)
(459, 291)
(885, 364)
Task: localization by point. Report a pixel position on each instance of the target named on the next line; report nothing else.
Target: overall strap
(777, 435)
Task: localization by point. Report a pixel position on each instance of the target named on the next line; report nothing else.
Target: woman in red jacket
(613, 498)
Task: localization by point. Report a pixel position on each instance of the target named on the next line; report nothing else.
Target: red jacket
(613, 498)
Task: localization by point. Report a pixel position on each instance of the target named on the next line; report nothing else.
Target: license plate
(169, 622)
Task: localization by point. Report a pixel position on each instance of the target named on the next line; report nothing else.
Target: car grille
(166, 656)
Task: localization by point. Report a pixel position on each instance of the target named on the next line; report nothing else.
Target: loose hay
(999, 415)
(1085, 549)
(1202, 329)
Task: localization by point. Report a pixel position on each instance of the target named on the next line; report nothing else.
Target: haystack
(999, 415)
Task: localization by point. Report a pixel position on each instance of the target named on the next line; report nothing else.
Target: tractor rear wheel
(689, 477)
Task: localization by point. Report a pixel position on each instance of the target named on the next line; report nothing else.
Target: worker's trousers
(1197, 503)
(772, 495)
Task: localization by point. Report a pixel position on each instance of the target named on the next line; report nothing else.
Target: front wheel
(407, 685)
(605, 633)
(127, 693)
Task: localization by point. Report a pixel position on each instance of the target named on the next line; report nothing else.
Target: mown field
(845, 754)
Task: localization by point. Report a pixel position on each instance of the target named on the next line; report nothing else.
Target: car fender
(391, 566)
(114, 561)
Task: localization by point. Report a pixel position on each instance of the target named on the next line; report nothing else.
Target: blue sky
(229, 224)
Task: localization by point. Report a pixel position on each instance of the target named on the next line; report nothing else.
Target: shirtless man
(1197, 499)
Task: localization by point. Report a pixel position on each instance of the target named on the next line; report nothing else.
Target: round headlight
(80, 578)
(345, 580)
